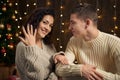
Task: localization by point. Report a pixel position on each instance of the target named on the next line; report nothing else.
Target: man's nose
(69, 27)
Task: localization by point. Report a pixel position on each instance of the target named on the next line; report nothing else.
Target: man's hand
(89, 72)
(60, 58)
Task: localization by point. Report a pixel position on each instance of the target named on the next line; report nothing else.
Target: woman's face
(45, 26)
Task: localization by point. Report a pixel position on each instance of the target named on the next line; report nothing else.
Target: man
(97, 53)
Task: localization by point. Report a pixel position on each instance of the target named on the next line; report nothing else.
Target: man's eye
(72, 23)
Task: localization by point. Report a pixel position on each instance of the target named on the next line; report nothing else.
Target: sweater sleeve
(32, 63)
(71, 69)
(32, 68)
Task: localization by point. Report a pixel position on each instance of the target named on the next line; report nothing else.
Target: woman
(34, 52)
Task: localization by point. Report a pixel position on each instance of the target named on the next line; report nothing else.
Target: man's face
(77, 26)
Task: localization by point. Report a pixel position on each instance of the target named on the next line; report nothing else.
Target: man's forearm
(68, 70)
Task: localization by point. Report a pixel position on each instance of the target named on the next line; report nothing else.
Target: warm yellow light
(4, 54)
(7, 0)
(61, 7)
(99, 16)
(61, 15)
(98, 9)
(25, 13)
(16, 19)
(62, 31)
(61, 46)
(18, 26)
(16, 12)
(115, 18)
(27, 5)
(114, 6)
(20, 32)
(16, 4)
(116, 27)
(63, 23)
(4, 8)
(34, 4)
(2, 26)
(20, 18)
(48, 3)
(57, 39)
(13, 16)
(115, 34)
(17, 34)
(112, 30)
(10, 46)
(10, 4)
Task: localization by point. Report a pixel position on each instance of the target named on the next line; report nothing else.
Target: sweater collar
(97, 40)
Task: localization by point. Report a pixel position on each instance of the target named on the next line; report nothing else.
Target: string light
(10, 4)
(7, 0)
(61, 15)
(34, 4)
(4, 54)
(16, 4)
(57, 39)
(61, 47)
(20, 18)
(16, 34)
(2, 26)
(18, 26)
(25, 13)
(13, 16)
(16, 19)
(61, 7)
(62, 31)
(115, 19)
(61, 23)
(48, 3)
(16, 12)
(0, 35)
(27, 5)
(98, 10)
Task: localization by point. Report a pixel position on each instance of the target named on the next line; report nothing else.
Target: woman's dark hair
(34, 19)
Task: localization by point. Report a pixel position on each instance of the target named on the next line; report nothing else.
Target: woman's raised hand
(30, 36)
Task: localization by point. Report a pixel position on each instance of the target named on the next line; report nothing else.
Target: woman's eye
(44, 22)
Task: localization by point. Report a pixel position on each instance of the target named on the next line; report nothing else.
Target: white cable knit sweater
(34, 63)
(103, 52)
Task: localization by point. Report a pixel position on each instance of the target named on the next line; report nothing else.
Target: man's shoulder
(111, 36)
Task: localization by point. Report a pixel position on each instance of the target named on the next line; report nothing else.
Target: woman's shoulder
(20, 44)
(51, 47)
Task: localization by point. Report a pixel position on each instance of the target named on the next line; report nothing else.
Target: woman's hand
(60, 58)
(30, 37)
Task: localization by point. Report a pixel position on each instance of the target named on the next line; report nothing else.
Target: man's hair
(85, 11)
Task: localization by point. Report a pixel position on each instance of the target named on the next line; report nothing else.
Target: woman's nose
(48, 27)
